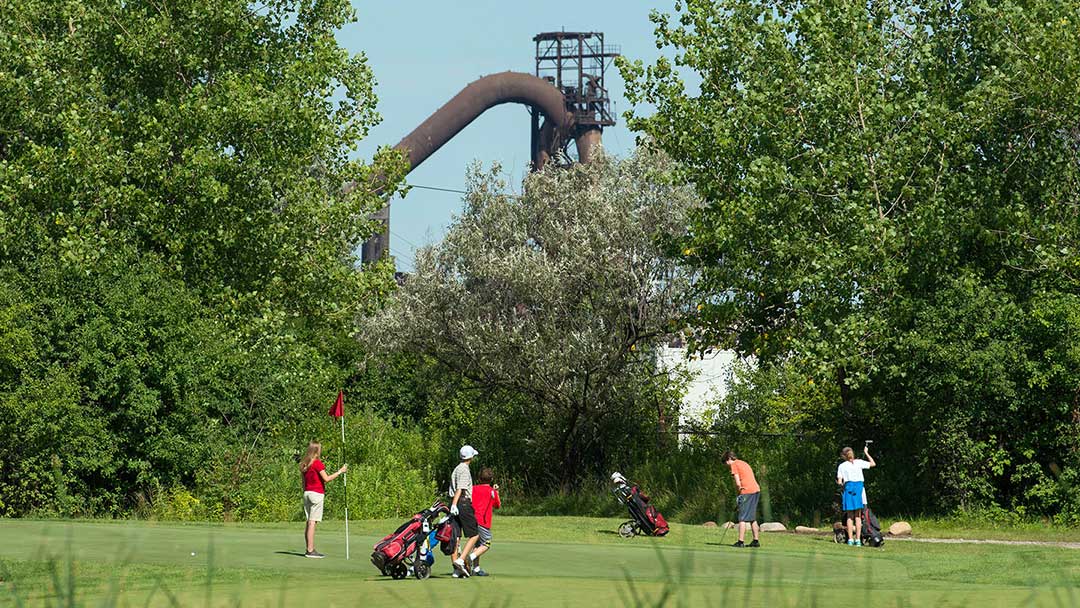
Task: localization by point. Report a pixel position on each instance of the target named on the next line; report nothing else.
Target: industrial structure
(567, 98)
(575, 64)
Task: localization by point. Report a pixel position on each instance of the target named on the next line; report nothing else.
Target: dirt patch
(958, 541)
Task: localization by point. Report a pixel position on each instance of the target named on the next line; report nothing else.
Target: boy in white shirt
(461, 511)
(850, 475)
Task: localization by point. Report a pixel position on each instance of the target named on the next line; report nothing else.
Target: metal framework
(567, 92)
(575, 63)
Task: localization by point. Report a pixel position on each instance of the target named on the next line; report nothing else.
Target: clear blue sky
(424, 51)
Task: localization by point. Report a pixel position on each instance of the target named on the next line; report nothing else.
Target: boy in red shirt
(485, 498)
(749, 493)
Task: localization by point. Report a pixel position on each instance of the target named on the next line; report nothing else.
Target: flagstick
(345, 479)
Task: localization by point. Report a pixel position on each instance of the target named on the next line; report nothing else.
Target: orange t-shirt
(746, 475)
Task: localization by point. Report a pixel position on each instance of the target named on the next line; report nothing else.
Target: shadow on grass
(296, 553)
(409, 579)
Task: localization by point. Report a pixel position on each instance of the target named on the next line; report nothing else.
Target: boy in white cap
(462, 511)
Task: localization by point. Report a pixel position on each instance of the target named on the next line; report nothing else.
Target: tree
(177, 267)
(892, 197)
(214, 135)
(557, 296)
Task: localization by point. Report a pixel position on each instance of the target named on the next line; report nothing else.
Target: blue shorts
(747, 504)
(853, 495)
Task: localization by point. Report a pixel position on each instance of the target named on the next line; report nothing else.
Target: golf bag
(647, 519)
(871, 529)
(409, 547)
(448, 544)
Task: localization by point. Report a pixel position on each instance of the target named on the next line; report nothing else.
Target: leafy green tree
(214, 135)
(892, 197)
(177, 239)
(555, 297)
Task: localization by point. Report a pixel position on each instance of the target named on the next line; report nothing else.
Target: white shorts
(313, 503)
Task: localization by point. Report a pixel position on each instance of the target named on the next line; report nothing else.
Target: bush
(179, 504)
(1069, 493)
(390, 475)
(391, 469)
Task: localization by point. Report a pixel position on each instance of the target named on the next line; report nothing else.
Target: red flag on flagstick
(338, 410)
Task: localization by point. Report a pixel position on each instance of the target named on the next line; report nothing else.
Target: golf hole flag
(338, 411)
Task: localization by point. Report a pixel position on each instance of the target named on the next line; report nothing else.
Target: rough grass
(536, 561)
(960, 527)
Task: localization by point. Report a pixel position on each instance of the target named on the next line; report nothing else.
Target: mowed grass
(539, 561)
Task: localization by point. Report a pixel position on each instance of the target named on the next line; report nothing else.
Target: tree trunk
(568, 454)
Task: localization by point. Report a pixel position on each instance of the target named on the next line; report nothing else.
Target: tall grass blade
(210, 570)
(750, 578)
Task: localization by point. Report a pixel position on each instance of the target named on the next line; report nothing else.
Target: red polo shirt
(312, 480)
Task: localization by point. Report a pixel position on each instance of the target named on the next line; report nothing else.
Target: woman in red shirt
(315, 479)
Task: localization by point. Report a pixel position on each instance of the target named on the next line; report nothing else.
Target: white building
(711, 375)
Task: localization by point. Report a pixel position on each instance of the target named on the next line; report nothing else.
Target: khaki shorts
(313, 502)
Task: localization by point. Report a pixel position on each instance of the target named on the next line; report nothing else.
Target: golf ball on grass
(192, 554)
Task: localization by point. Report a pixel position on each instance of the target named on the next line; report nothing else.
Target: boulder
(806, 530)
(728, 525)
(773, 526)
(900, 528)
(709, 524)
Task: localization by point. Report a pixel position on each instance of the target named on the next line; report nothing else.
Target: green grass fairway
(549, 561)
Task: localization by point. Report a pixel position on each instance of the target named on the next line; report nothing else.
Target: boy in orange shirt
(749, 494)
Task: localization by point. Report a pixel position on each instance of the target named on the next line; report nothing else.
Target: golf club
(723, 534)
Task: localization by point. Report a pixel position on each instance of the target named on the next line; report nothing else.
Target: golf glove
(453, 510)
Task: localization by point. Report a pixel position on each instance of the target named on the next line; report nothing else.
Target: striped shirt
(461, 479)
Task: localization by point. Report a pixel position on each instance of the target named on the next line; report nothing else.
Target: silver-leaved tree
(556, 296)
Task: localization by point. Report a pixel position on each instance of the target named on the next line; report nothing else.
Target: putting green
(550, 561)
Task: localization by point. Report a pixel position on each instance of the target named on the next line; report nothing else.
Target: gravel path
(956, 541)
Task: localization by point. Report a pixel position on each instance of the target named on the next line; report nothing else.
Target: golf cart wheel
(421, 570)
(627, 530)
(399, 571)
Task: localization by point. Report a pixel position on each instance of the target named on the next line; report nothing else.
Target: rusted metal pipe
(465, 107)
(474, 100)
(588, 140)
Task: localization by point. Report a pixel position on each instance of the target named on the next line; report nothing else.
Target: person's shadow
(296, 553)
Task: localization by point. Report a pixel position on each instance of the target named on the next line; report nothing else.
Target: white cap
(468, 452)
